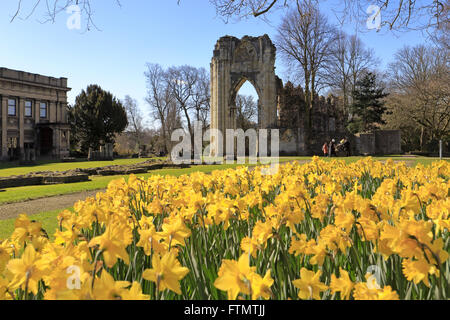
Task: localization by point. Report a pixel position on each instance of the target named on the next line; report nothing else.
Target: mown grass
(19, 194)
(10, 169)
(48, 220)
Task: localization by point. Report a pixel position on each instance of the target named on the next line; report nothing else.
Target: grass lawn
(19, 194)
(11, 169)
(48, 220)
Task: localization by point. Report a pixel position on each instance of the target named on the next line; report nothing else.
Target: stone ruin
(43, 178)
(236, 61)
(252, 59)
(106, 153)
(81, 175)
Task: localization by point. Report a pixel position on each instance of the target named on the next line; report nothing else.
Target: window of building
(43, 110)
(28, 108)
(11, 107)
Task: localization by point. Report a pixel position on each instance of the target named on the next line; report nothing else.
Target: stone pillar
(55, 143)
(21, 121)
(57, 105)
(63, 112)
(37, 147)
(68, 140)
(52, 111)
(37, 115)
(4, 111)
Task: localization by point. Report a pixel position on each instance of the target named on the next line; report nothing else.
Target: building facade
(33, 118)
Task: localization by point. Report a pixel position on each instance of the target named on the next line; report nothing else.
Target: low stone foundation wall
(64, 178)
(42, 178)
(81, 175)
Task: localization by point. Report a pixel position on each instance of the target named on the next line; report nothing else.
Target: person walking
(347, 147)
(325, 149)
(332, 148)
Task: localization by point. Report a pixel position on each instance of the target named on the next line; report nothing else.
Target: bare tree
(441, 34)
(396, 15)
(245, 8)
(421, 90)
(247, 112)
(304, 40)
(135, 120)
(347, 61)
(201, 97)
(177, 91)
(182, 81)
(399, 15)
(53, 8)
(160, 100)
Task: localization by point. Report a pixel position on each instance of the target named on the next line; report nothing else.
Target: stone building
(234, 62)
(282, 107)
(34, 121)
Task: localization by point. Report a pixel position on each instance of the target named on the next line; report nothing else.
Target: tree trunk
(421, 139)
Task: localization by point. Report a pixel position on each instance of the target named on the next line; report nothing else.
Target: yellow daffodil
(343, 284)
(235, 277)
(106, 288)
(27, 271)
(309, 285)
(261, 286)
(166, 272)
(113, 243)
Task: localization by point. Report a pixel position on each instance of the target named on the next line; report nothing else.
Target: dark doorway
(46, 141)
(13, 149)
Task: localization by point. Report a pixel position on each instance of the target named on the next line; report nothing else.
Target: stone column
(57, 104)
(21, 120)
(58, 144)
(4, 111)
(51, 111)
(37, 146)
(37, 108)
(55, 143)
(68, 140)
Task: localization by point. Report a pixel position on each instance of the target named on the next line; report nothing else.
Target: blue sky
(141, 31)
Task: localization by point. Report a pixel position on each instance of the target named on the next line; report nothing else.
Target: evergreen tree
(96, 118)
(368, 105)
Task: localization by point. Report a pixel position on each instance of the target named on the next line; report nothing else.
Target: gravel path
(30, 207)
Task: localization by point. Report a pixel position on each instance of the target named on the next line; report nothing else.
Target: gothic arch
(236, 86)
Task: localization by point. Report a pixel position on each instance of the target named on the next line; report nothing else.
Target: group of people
(330, 148)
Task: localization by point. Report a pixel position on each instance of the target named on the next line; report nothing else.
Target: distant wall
(388, 142)
(292, 142)
(379, 142)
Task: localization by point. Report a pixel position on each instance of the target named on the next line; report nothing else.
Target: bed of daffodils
(322, 230)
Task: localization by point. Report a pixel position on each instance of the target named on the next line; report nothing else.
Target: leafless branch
(52, 8)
